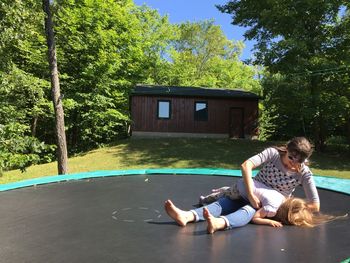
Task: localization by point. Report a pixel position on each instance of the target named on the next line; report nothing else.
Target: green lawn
(177, 153)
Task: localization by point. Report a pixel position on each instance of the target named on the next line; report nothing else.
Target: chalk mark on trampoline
(117, 214)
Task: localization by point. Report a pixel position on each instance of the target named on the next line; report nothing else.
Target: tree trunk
(33, 126)
(348, 130)
(323, 133)
(62, 156)
(316, 119)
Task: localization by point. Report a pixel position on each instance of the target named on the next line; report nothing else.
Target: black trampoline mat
(121, 219)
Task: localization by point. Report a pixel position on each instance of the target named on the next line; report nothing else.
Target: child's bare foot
(214, 223)
(180, 216)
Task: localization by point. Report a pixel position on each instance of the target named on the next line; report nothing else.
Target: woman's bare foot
(214, 223)
(180, 216)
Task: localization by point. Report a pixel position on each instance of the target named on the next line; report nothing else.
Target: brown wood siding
(144, 115)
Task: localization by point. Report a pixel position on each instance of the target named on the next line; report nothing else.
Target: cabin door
(236, 123)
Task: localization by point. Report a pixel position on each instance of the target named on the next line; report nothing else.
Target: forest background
(301, 69)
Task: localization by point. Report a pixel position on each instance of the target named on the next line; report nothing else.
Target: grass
(177, 153)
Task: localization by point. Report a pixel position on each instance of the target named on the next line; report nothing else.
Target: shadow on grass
(331, 161)
(210, 153)
(192, 152)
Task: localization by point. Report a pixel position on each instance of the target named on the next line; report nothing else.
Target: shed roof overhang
(155, 90)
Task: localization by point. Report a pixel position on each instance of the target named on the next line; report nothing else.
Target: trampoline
(121, 219)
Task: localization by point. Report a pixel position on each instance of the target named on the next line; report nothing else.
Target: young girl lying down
(270, 200)
(276, 210)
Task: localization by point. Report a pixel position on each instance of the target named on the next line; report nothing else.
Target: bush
(338, 144)
(18, 150)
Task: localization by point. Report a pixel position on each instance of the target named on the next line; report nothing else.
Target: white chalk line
(114, 214)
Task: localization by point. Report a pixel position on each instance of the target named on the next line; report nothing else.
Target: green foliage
(23, 91)
(22, 107)
(104, 49)
(304, 45)
(338, 144)
(201, 55)
(22, 97)
(21, 34)
(18, 150)
(155, 35)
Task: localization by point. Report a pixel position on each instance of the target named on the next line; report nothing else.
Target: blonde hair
(294, 211)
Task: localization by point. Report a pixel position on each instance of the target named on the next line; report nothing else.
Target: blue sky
(196, 10)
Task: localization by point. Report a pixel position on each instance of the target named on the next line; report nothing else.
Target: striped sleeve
(264, 156)
(309, 185)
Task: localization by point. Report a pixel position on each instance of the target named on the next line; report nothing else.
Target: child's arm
(259, 219)
(266, 221)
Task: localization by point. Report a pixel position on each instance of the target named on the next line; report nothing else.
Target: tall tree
(296, 39)
(106, 47)
(201, 55)
(62, 154)
(342, 52)
(23, 88)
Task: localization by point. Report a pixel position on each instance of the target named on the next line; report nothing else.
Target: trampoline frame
(324, 182)
(81, 212)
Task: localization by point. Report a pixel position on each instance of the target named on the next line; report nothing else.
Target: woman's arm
(311, 192)
(314, 207)
(247, 168)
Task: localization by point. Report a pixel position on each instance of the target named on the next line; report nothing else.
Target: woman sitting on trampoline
(283, 169)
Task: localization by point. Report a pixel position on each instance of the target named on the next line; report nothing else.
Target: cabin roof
(191, 92)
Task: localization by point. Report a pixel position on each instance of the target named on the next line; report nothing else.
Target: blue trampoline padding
(346, 260)
(330, 183)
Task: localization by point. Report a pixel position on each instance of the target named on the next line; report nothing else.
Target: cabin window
(164, 109)
(200, 111)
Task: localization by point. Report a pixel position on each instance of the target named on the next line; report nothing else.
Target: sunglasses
(294, 159)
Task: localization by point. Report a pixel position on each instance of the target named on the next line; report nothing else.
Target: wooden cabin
(193, 112)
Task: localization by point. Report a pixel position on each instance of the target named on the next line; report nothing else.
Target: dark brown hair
(298, 147)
